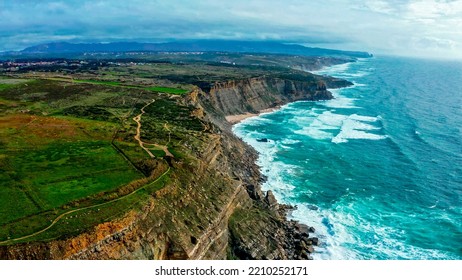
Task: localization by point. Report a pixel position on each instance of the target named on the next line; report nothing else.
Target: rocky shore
(229, 103)
(298, 240)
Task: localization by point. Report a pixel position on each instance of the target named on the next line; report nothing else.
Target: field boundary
(57, 219)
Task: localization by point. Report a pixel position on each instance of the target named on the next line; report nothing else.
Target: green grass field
(49, 164)
(6, 83)
(66, 147)
(169, 90)
(46, 178)
(4, 86)
(178, 91)
(39, 181)
(83, 218)
(106, 83)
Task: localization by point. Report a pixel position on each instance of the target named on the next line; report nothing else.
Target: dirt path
(142, 144)
(80, 209)
(169, 132)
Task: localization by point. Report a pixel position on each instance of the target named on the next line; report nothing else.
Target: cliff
(212, 206)
(256, 94)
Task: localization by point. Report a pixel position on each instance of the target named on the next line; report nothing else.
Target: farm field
(59, 153)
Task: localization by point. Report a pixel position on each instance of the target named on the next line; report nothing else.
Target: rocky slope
(212, 207)
(256, 94)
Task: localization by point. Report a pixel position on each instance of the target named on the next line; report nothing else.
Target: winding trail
(142, 144)
(80, 209)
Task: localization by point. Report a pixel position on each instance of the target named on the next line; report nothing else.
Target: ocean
(377, 170)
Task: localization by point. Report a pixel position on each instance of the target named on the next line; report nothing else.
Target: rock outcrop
(256, 94)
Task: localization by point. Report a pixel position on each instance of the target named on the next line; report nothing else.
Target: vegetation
(6, 83)
(106, 83)
(47, 163)
(69, 159)
(55, 156)
(168, 90)
(4, 86)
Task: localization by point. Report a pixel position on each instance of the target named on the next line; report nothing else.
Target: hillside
(192, 46)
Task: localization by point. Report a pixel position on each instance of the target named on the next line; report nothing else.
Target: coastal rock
(314, 241)
(271, 201)
(254, 192)
(310, 249)
(261, 93)
(302, 228)
(313, 207)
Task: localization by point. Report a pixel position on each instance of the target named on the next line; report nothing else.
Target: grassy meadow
(58, 153)
(68, 155)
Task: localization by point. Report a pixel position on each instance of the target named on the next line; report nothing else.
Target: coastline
(349, 218)
(299, 234)
(235, 119)
(298, 238)
(247, 213)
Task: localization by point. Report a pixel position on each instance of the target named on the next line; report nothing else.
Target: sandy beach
(233, 119)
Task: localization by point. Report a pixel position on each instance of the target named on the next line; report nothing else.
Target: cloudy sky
(431, 28)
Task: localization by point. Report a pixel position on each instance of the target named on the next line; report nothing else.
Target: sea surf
(378, 169)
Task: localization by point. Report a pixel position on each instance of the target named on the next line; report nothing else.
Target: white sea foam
(314, 133)
(358, 125)
(290, 141)
(285, 147)
(343, 231)
(343, 228)
(302, 121)
(347, 134)
(316, 129)
(341, 102)
(331, 119)
(332, 246)
(353, 129)
(357, 74)
(275, 172)
(250, 136)
(325, 125)
(339, 68)
(319, 124)
(363, 118)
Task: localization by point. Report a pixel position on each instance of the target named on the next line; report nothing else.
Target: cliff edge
(212, 206)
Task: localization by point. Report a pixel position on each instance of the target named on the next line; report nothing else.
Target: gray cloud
(417, 27)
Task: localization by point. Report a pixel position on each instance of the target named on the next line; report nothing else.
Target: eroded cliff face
(256, 94)
(212, 207)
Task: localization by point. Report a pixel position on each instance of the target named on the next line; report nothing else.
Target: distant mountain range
(187, 46)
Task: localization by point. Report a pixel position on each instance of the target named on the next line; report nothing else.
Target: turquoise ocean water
(378, 170)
